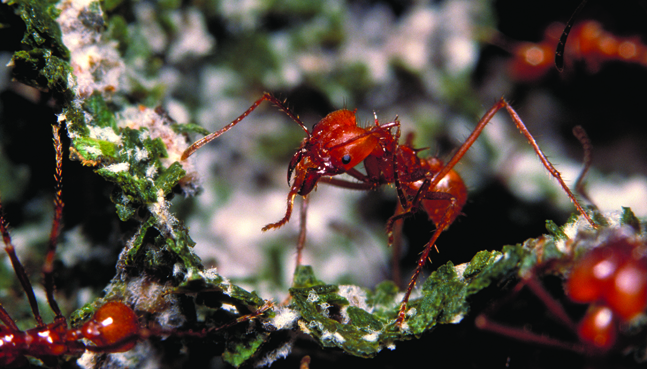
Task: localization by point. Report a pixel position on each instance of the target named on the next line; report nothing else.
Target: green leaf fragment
(364, 330)
(555, 230)
(629, 218)
(241, 348)
(40, 69)
(189, 128)
(42, 31)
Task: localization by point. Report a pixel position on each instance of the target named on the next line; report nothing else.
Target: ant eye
(345, 159)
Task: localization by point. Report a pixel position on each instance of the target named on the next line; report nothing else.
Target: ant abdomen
(113, 324)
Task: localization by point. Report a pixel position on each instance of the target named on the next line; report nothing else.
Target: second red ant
(337, 145)
(610, 276)
(114, 327)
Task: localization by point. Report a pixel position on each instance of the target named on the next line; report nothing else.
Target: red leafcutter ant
(611, 277)
(595, 45)
(590, 43)
(114, 327)
(337, 144)
(109, 329)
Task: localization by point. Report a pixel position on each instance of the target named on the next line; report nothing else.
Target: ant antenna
(266, 97)
(48, 265)
(559, 52)
(49, 260)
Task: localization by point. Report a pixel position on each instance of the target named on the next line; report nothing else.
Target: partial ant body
(111, 329)
(611, 277)
(590, 43)
(336, 145)
(114, 327)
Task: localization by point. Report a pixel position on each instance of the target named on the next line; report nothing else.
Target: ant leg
(20, 271)
(301, 244)
(288, 212)
(544, 160)
(266, 97)
(522, 128)
(7, 320)
(396, 231)
(484, 322)
(48, 265)
(360, 186)
(409, 209)
(555, 307)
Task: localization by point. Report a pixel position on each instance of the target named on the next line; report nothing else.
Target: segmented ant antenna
(266, 97)
(51, 249)
(559, 52)
(48, 265)
(114, 327)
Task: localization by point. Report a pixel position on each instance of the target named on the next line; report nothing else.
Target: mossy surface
(111, 104)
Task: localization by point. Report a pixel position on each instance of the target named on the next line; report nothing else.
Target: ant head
(335, 146)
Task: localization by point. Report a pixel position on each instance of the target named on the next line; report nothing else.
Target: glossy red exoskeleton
(611, 278)
(114, 327)
(337, 144)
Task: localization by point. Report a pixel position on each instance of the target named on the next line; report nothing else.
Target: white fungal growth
(284, 318)
(117, 168)
(324, 309)
(97, 66)
(104, 133)
(280, 353)
(210, 274)
(355, 296)
(229, 289)
(312, 296)
(160, 209)
(304, 327)
(141, 154)
(151, 171)
(335, 337)
(460, 269)
(229, 307)
(411, 312)
(371, 337)
(156, 126)
(457, 319)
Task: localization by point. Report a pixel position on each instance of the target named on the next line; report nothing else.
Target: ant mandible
(113, 328)
(336, 145)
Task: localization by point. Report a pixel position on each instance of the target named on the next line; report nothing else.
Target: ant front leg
(288, 212)
(301, 244)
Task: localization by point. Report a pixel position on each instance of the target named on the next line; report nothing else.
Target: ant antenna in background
(559, 52)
